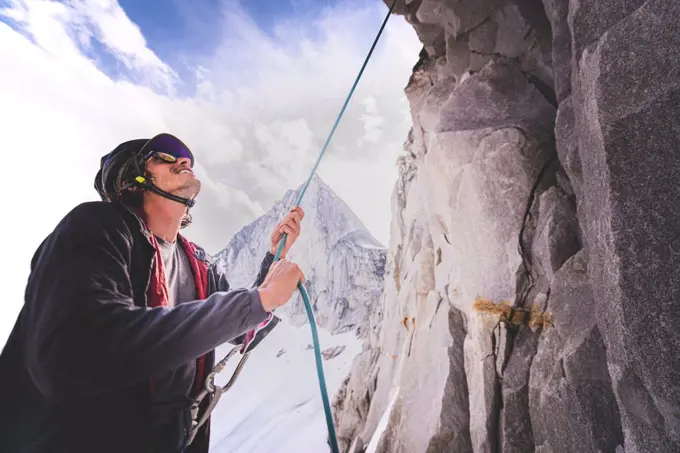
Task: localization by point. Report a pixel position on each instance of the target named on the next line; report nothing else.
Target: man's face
(176, 178)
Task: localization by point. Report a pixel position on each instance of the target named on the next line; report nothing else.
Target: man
(122, 315)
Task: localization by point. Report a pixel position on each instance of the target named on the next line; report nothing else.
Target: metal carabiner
(214, 391)
(209, 388)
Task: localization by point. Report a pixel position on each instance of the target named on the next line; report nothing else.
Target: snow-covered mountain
(342, 262)
(275, 405)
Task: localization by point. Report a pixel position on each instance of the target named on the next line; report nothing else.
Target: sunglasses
(167, 148)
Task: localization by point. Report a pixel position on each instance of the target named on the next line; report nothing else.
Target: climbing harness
(217, 391)
(250, 341)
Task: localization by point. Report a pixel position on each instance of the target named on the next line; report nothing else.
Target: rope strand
(303, 292)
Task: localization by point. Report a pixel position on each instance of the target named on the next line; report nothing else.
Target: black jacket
(75, 370)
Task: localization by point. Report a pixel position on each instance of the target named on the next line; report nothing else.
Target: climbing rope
(303, 292)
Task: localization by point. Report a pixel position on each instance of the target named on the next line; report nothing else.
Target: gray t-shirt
(178, 274)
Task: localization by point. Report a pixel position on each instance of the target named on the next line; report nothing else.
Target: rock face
(541, 172)
(344, 264)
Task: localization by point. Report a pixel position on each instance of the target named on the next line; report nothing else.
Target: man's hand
(290, 225)
(279, 284)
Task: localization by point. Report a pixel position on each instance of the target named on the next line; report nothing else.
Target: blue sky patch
(184, 33)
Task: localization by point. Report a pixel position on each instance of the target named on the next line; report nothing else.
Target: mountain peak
(320, 196)
(334, 244)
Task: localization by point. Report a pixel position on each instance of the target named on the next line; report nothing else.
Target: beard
(190, 189)
(191, 186)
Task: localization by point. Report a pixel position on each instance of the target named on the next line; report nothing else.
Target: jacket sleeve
(264, 269)
(81, 332)
(218, 282)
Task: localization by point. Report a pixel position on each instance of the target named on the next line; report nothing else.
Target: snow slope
(275, 405)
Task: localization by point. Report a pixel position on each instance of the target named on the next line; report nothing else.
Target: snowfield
(275, 405)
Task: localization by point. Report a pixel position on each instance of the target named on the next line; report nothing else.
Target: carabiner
(214, 391)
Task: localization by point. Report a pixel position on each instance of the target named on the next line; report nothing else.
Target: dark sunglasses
(167, 148)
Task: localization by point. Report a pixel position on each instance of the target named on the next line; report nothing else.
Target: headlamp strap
(145, 183)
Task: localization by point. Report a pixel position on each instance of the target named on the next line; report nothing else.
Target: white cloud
(65, 30)
(373, 121)
(263, 108)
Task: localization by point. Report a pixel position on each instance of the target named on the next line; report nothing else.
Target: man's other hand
(279, 284)
(290, 225)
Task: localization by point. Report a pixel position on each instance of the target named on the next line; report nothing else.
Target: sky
(252, 87)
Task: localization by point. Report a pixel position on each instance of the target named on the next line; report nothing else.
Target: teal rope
(342, 111)
(301, 288)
